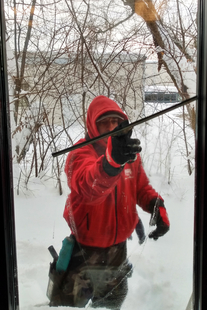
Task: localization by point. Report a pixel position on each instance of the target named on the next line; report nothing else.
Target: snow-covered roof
(160, 88)
(151, 61)
(66, 58)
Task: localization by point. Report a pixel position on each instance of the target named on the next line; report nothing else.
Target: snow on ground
(162, 275)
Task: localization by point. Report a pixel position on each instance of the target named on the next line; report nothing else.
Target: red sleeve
(145, 192)
(85, 175)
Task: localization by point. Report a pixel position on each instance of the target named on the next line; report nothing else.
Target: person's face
(106, 125)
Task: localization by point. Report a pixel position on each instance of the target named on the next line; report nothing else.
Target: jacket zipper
(116, 217)
(87, 218)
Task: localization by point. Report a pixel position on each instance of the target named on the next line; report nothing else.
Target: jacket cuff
(158, 201)
(111, 170)
(108, 154)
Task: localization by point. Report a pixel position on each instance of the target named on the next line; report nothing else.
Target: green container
(65, 254)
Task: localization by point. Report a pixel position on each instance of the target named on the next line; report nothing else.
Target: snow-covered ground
(162, 276)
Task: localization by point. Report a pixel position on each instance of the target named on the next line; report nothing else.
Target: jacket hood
(99, 106)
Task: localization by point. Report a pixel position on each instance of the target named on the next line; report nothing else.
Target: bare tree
(174, 38)
(67, 52)
(64, 56)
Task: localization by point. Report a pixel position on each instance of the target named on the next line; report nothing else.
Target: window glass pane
(160, 97)
(167, 97)
(173, 97)
(62, 56)
(148, 97)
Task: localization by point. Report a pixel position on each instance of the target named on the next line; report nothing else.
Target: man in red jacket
(106, 182)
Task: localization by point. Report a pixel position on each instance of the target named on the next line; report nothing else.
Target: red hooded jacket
(101, 209)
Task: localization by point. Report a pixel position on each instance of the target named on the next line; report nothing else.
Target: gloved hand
(160, 218)
(121, 148)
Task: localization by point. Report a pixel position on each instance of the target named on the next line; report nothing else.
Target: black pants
(140, 231)
(97, 274)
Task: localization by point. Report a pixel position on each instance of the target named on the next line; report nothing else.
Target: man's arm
(86, 176)
(150, 201)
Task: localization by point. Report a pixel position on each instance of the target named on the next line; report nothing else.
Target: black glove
(121, 148)
(159, 218)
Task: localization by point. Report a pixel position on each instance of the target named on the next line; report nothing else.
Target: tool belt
(83, 280)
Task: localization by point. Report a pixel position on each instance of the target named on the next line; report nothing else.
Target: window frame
(8, 266)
